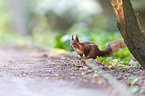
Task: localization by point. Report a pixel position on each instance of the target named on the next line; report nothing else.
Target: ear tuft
(77, 38)
(72, 37)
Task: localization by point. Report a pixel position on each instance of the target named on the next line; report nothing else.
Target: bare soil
(44, 73)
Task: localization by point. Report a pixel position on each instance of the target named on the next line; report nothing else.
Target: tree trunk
(130, 28)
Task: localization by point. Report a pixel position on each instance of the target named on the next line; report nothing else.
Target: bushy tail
(113, 47)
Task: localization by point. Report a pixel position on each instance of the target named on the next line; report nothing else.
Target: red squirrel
(88, 49)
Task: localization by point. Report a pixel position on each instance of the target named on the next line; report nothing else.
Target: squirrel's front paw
(82, 60)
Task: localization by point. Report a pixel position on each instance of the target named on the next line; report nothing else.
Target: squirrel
(91, 50)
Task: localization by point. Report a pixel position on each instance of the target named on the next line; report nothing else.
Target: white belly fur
(78, 51)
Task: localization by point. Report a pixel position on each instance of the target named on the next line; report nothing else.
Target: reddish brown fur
(91, 50)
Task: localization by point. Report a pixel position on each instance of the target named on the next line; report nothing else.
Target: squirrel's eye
(75, 43)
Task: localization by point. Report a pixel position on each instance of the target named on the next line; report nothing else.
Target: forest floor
(132, 76)
(35, 72)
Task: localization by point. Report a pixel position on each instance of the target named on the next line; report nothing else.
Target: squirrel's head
(75, 42)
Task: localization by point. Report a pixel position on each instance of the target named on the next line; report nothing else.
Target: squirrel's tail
(112, 47)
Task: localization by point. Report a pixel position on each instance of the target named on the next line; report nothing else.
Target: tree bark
(130, 28)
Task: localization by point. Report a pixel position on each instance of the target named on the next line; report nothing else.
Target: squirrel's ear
(72, 37)
(77, 38)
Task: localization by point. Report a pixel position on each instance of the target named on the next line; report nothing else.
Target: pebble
(62, 58)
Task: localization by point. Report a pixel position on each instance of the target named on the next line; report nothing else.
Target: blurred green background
(52, 22)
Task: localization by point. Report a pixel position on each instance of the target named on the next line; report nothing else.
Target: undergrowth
(57, 40)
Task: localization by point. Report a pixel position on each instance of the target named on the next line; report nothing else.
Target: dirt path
(40, 73)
